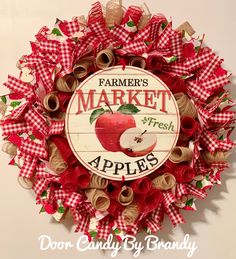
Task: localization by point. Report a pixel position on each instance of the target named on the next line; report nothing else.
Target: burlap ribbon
(186, 107)
(57, 163)
(215, 157)
(51, 102)
(67, 84)
(98, 199)
(126, 196)
(9, 148)
(97, 182)
(130, 214)
(81, 69)
(164, 182)
(114, 13)
(105, 59)
(180, 154)
(137, 62)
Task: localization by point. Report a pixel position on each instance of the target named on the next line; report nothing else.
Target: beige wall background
(212, 227)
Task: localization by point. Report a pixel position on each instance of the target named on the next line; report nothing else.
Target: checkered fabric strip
(121, 34)
(176, 68)
(174, 215)
(221, 165)
(136, 47)
(99, 30)
(16, 85)
(132, 229)
(204, 114)
(199, 60)
(36, 121)
(133, 13)
(45, 74)
(41, 171)
(15, 128)
(168, 198)
(83, 224)
(104, 229)
(209, 141)
(71, 27)
(49, 46)
(200, 166)
(196, 191)
(223, 117)
(33, 149)
(177, 44)
(61, 194)
(120, 224)
(96, 14)
(144, 34)
(73, 200)
(56, 127)
(40, 185)
(210, 68)
(226, 145)
(158, 214)
(52, 59)
(154, 30)
(215, 83)
(165, 37)
(75, 215)
(197, 91)
(28, 168)
(43, 33)
(180, 190)
(32, 59)
(18, 112)
(153, 225)
(86, 207)
(66, 55)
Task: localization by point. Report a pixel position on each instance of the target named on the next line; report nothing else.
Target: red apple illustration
(134, 142)
(110, 125)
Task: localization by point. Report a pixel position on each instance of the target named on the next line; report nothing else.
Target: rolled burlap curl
(9, 148)
(105, 59)
(186, 107)
(145, 17)
(97, 182)
(114, 13)
(130, 214)
(126, 196)
(66, 84)
(164, 182)
(51, 102)
(3, 108)
(81, 68)
(180, 154)
(98, 199)
(137, 62)
(25, 183)
(56, 162)
(216, 157)
(186, 27)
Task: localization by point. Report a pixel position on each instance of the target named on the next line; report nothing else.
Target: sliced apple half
(135, 142)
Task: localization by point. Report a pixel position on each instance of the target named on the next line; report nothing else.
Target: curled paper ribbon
(186, 107)
(64, 149)
(137, 62)
(126, 196)
(180, 154)
(81, 69)
(188, 126)
(83, 176)
(56, 162)
(69, 180)
(130, 214)
(141, 186)
(164, 182)
(145, 18)
(97, 182)
(115, 208)
(214, 157)
(25, 183)
(67, 84)
(186, 27)
(184, 173)
(9, 148)
(114, 13)
(113, 189)
(98, 199)
(51, 102)
(151, 200)
(105, 59)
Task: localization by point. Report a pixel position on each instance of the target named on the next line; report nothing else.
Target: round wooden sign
(122, 124)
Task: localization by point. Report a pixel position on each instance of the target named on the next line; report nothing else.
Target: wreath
(33, 119)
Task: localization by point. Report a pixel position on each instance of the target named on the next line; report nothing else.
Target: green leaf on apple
(128, 109)
(95, 114)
